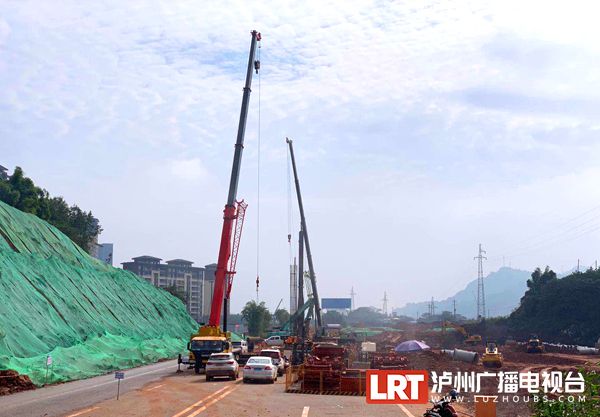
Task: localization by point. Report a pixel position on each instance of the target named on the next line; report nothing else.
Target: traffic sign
(119, 375)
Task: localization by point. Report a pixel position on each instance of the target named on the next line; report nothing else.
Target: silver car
(260, 368)
(222, 364)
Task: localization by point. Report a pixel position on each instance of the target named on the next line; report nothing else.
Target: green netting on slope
(92, 318)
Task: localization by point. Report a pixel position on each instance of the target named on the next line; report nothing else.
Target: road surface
(157, 391)
(62, 399)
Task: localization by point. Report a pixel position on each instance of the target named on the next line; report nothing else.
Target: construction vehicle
(535, 345)
(492, 358)
(313, 303)
(470, 340)
(210, 338)
(286, 330)
(473, 340)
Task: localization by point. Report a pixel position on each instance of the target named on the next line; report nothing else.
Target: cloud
(401, 113)
(189, 169)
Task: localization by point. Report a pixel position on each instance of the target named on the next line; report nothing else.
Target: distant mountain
(503, 291)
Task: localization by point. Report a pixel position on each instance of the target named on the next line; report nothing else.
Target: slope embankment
(89, 317)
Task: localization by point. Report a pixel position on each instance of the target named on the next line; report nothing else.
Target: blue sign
(336, 303)
(119, 375)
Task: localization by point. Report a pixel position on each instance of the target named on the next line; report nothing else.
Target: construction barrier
(300, 380)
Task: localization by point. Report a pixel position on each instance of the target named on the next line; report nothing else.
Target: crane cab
(208, 340)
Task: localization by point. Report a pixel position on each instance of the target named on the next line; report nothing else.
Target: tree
(21, 193)
(366, 316)
(176, 292)
(559, 310)
(334, 317)
(257, 318)
(282, 316)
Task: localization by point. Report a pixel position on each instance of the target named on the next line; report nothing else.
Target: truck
(202, 346)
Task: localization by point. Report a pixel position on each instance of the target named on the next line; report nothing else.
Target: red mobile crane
(210, 338)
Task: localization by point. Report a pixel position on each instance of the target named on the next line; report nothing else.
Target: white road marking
(211, 402)
(87, 410)
(305, 411)
(153, 388)
(408, 413)
(196, 404)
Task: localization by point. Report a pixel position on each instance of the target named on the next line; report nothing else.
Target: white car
(260, 368)
(278, 360)
(275, 341)
(222, 364)
(240, 347)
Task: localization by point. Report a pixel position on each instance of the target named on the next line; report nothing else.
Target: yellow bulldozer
(492, 358)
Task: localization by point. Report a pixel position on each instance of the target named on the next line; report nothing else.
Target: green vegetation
(334, 317)
(559, 310)
(20, 192)
(257, 317)
(282, 316)
(176, 292)
(588, 408)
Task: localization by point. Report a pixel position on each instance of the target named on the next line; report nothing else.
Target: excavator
(211, 338)
(470, 340)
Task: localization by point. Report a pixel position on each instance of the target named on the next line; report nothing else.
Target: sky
(421, 129)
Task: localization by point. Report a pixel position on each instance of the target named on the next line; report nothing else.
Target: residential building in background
(196, 283)
(3, 173)
(103, 252)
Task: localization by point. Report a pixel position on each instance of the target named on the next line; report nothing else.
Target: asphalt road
(64, 399)
(157, 391)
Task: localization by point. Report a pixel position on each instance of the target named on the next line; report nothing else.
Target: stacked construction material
(90, 318)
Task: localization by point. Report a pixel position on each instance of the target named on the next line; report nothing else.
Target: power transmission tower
(431, 308)
(352, 294)
(480, 289)
(454, 309)
(385, 303)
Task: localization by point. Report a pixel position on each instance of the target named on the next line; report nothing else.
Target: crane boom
(311, 269)
(230, 211)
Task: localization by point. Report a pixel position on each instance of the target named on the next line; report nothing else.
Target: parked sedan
(260, 368)
(222, 364)
(278, 360)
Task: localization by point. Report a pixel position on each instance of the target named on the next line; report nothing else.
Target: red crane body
(234, 210)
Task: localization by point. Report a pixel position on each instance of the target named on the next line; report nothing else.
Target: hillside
(561, 310)
(503, 289)
(90, 317)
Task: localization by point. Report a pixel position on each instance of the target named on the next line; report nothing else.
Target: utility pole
(480, 289)
(577, 265)
(352, 294)
(385, 303)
